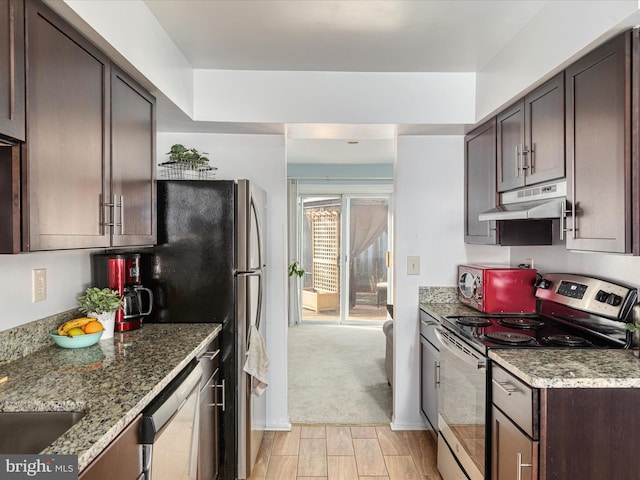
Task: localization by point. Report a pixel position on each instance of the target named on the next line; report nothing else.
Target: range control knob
(544, 284)
(602, 296)
(614, 299)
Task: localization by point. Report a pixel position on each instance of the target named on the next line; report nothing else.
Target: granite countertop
(447, 309)
(571, 368)
(111, 381)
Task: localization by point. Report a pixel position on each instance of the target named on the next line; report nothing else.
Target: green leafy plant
(294, 269)
(632, 327)
(99, 300)
(181, 154)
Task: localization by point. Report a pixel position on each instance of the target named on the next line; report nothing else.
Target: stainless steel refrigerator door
(250, 311)
(251, 216)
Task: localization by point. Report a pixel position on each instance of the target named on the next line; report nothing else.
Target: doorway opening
(344, 245)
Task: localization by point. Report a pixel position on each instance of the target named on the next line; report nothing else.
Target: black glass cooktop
(528, 332)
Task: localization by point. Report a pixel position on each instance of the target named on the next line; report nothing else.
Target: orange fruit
(93, 327)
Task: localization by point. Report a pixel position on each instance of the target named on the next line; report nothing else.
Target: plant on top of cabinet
(186, 162)
(531, 138)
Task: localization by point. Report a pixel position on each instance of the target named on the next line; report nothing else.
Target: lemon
(75, 331)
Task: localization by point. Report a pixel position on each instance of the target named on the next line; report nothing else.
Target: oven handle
(466, 356)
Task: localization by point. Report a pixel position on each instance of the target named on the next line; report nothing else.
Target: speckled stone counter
(111, 381)
(563, 368)
(447, 309)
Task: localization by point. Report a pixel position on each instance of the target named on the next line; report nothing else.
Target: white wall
(334, 97)
(558, 34)
(428, 209)
(557, 258)
(68, 274)
(259, 158)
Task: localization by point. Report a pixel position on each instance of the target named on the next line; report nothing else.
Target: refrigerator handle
(259, 309)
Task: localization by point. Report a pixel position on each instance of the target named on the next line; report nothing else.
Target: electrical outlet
(39, 287)
(413, 265)
(529, 261)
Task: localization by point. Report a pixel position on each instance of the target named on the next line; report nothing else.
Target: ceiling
(337, 35)
(342, 35)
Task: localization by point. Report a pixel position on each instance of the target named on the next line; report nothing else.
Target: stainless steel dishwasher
(170, 429)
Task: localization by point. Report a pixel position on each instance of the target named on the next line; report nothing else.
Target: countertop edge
(96, 449)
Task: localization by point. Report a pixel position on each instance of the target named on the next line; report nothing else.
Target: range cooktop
(575, 311)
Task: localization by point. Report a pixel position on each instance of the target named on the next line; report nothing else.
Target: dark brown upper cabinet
(12, 107)
(480, 183)
(87, 166)
(598, 133)
(530, 136)
(132, 162)
(67, 153)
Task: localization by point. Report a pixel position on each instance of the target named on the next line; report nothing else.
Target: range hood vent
(547, 201)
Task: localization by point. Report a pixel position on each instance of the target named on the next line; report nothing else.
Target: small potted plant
(101, 303)
(183, 159)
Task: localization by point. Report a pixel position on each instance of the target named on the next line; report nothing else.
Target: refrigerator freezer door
(250, 312)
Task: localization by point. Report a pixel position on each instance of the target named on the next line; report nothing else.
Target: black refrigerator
(209, 266)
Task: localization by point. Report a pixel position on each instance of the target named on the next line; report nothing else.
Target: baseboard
(279, 426)
(409, 426)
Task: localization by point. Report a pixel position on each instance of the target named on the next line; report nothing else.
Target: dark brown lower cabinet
(121, 459)
(563, 433)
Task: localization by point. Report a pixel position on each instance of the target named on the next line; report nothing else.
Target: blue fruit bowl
(79, 341)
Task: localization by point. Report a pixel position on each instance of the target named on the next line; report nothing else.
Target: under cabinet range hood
(545, 201)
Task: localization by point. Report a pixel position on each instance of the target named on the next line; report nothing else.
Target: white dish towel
(257, 364)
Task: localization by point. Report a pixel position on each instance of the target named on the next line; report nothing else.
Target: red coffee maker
(121, 272)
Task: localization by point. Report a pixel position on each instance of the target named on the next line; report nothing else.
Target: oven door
(462, 414)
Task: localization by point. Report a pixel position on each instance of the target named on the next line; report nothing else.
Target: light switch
(39, 288)
(413, 265)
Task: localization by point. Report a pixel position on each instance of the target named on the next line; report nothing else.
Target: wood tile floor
(330, 452)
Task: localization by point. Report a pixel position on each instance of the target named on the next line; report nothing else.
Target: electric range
(574, 311)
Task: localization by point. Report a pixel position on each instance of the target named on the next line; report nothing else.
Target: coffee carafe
(121, 272)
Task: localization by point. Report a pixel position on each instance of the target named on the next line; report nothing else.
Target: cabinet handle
(523, 151)
(437, 364)
(517, 160)
(520, 465)
(532, 158)
(113, 205)
(506, 387)
(216, 404)
(121, 214)
(563, 220)
(211, 355)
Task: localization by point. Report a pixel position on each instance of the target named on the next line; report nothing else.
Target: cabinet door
(510, 124)
(429, 381)
(67, 153)
(480, 183)
(122, 459)
(132, 162)
(514, 455)
(12, 72)
(10, 241)
(544, 132)
(598, 148)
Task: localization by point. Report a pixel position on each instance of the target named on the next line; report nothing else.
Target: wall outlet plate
(39, 287)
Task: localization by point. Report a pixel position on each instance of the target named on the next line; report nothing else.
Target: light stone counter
(571, 368)
(111, 381)
(439, 310)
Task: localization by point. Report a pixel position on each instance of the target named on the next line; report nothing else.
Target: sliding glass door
(344, 252)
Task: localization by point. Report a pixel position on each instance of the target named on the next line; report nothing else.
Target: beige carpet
(336, 375)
